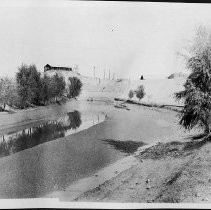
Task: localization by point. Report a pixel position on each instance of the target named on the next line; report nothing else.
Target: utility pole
(104, 74)
(109, 74)
(94, 72)
(113, 75)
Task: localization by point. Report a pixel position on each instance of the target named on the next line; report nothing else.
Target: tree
(140, 92)
(131, 94)
(45, 92)
(8, 93)
(52, 88)
(197, 89)
(74, 87)
(28, 84)
(59, 87)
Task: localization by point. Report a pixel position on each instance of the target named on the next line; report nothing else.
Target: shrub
(131, 94)
(140, 92)
(74, 87)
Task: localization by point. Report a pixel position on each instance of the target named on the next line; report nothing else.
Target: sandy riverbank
(174, 171)
(170, 173)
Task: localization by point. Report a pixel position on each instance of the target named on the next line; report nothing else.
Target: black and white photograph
(105, 104)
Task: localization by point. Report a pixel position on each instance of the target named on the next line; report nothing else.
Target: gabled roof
(47, 65)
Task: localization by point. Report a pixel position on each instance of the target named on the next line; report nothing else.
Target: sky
(129, 38)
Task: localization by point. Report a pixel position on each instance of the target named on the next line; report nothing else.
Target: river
(51, 154)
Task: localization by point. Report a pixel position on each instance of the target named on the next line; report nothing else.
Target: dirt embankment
(173, 172)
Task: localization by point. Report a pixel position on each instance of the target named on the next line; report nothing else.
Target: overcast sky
(130, 38)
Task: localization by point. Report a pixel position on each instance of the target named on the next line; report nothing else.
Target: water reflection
(124, 146)
(42, 133)
(74, 119)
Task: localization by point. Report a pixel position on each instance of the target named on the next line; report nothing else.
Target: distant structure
(177, 75)
(49, 68)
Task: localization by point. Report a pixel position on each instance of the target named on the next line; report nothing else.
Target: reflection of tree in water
(43, 133)
(74, 119)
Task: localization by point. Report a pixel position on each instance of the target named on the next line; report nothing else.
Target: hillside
(159, 91)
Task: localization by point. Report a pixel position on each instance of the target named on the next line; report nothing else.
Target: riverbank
(173, 171)
(169, 173)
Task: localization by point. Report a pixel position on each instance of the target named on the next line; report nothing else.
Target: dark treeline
(30, 88)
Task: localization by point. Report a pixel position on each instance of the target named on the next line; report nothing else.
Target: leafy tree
(140, 92)
(8, 93)
(29, 82)
(54, 87)
(197, 89)
(197, 93)
(45, 94)
(52, 91)
(59, 85)
(74, 87)
(131, 94)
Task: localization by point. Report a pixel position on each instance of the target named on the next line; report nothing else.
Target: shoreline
(180, 176)
(21, 118)
(78, 188)
(108, 181)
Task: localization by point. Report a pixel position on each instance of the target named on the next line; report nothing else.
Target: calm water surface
(36, 160)
(46, 131)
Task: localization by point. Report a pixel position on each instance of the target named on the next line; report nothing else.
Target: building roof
(47, 65)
